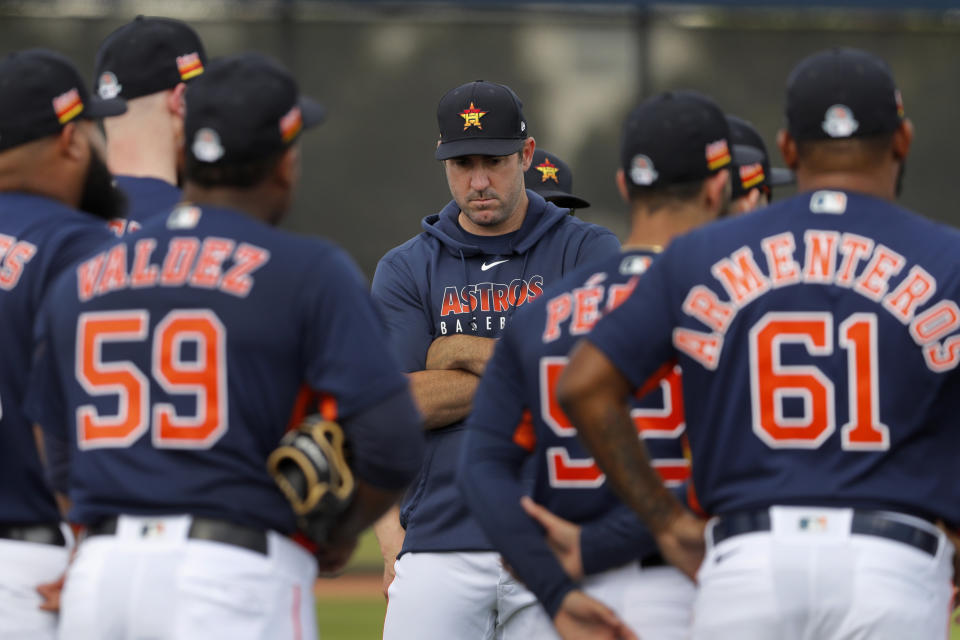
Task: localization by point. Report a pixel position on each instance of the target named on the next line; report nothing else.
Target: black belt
(36, 533)
(868, 523)
(203, 529)
(652, 560)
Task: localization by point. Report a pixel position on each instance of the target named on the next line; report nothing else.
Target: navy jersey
(516, 420)
(146, 198)
(172, 361)
(819, 340)
(446, 281)
(39, 238)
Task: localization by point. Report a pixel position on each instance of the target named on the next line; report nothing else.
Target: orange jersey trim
(524, 436)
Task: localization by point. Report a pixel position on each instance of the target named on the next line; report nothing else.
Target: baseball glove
(310, 467)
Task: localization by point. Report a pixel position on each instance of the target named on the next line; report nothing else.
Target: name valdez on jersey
(14, 254)
(188, 261)
(829, 258)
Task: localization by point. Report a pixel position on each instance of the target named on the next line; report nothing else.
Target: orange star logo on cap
(471, 117)
(548, 171)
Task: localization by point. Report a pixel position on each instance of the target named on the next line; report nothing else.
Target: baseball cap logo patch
(839, 122)
(291, 124)
(642, 172)
(548, 171)
(68, 105)
(718, 154)
(751, 175)
(206, 145)
(184, 217)
(899, 100)
(109, 86)
(189, 65)
(471, 117)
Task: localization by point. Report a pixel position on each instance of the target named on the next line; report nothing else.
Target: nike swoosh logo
(720, 557)
(486, 266)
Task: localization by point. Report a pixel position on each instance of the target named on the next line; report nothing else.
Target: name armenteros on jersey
(492, 298)
(829, 258)
(14, 255)
(188, 261)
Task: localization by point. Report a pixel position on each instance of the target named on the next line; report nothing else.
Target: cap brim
(100, 108)
(744, 155)
(563, 199)
(780, 176)
(312, 112)
(478, 147)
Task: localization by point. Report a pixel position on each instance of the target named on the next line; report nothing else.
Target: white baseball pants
(656, 603)
(150, 581)
(23, 566)
(810, 578)
(470, 596)
(441, 596)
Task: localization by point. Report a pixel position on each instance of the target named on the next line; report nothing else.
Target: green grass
(351, 618)
(355, 617)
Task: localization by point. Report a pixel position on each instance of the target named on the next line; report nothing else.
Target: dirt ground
(351, 585)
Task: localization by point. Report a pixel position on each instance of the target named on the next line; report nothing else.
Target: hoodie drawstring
(466, 283)
(523, 278)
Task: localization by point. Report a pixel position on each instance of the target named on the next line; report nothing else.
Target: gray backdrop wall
(369, 173)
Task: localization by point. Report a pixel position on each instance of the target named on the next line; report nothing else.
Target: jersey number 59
(667, 423)
(203, 376)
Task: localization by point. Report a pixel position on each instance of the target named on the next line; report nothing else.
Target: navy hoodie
(446, 281)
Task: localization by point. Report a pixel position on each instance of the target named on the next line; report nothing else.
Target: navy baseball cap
(674, 137)
(147, 55)
(40, 92)
(751, 162)
(550, 176)
(480, 118)
(842, 93)
(243, 108)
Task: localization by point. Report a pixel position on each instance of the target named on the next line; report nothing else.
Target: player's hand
(470, 353)
(580, 617)
(333, 557)
(954, 538)
(682, 543)
(390, 537)
(563, 536)
(50, 592)
(389, 574)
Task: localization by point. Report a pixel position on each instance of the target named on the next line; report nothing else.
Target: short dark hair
(658, 197)
(239, 175)
(846, 153)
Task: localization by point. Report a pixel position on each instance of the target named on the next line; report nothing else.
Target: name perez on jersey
(486, 297)
(188, 261)
(829, 258)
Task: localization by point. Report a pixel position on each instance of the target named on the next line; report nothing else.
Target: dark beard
(101, 197)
